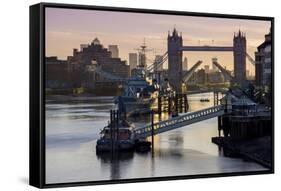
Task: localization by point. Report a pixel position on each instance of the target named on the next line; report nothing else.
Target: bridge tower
(175, 60)
(239, 55)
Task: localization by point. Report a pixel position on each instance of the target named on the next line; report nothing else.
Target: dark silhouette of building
(61, 75)
(73, 73)
(215, 77)
(54, 60)
(201, 76)
(175, 60)
(239, 53)
(95, 52)
(263, 63)
(58, 73)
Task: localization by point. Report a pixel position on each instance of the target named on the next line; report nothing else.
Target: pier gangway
(180, 121)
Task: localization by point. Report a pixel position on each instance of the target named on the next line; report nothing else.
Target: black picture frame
(37, 96)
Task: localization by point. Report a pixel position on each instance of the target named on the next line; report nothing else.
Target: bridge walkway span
(180, 121)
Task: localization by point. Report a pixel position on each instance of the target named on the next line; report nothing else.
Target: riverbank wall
(248, 137)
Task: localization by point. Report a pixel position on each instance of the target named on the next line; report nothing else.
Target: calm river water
(72, 128)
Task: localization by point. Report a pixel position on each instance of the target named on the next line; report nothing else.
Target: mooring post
(214, 98)
(159, 105)
(181, 102)
(117, 126)
(219, 125)
(114, 130)
(169, 105)
(111, 132)
(159, 78)
(152, 132)
(176, 102)
(217, 98)
(185, 103)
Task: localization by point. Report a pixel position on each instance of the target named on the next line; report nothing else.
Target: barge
(120, 137)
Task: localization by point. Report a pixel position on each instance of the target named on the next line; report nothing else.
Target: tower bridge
(176, 47)
(174, 55)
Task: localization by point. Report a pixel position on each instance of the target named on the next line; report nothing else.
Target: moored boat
(204, 99)
(138, 95)
(119, 137)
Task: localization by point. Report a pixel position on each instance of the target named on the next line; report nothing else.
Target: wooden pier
(177, 103)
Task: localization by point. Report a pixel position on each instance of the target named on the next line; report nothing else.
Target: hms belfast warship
(139, 93)
(138, 96)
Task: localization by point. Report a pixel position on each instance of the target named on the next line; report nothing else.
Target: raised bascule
(175, 49)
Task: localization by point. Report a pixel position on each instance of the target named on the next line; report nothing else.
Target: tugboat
(120, 138)
(117, 138)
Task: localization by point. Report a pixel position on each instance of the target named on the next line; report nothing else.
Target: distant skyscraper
(207, 69)
(114, 51)
(214, 68)
(133, 60)
(185, 64)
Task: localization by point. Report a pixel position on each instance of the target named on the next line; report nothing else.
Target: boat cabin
(122, 133)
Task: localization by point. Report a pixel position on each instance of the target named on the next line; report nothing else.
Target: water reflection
(73, 126)
(114, 160)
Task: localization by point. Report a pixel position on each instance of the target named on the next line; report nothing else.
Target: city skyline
(65, 31)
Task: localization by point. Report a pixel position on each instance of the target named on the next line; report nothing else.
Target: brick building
(95, 52)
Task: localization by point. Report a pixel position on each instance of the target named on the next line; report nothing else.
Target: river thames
(72, 129)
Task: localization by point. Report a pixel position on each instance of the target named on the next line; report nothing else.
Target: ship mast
(142, 55)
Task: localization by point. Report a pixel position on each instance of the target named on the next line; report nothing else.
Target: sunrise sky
(68, 28)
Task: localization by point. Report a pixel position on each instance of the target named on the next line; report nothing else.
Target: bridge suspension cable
(158, 62)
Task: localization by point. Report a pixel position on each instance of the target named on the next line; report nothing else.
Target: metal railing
(180, 121)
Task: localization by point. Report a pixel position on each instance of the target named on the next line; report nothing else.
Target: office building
(103, 57)
(114, 51)
(207, 69)
(133, 60)
(264, 63)
(185, 64)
